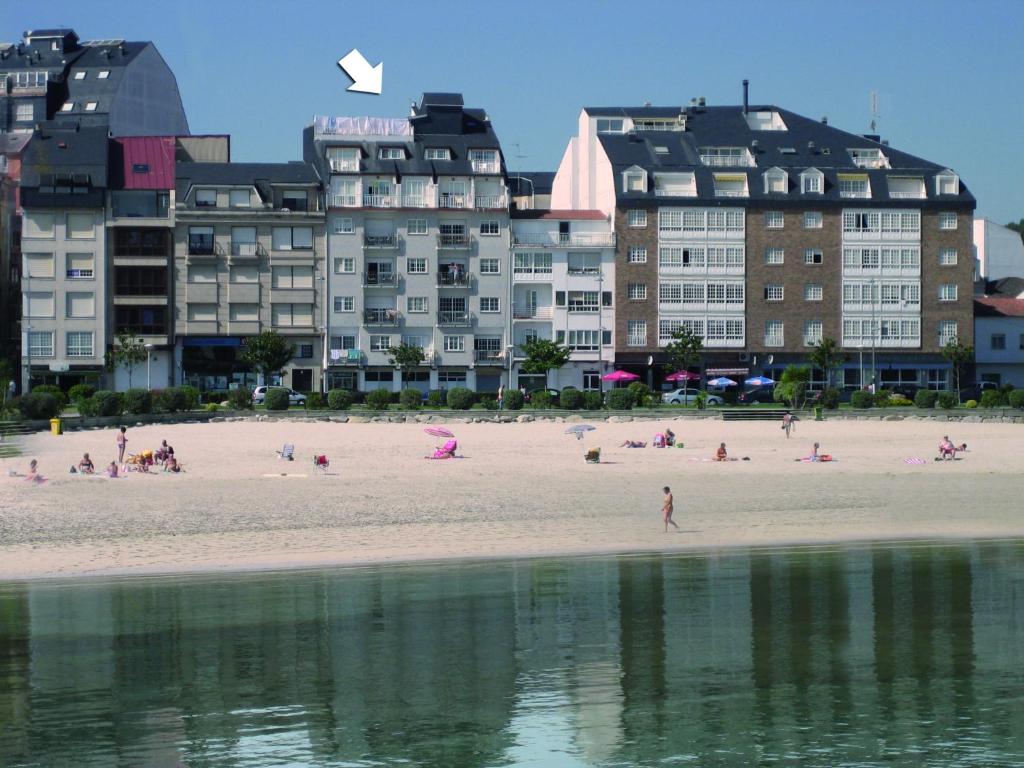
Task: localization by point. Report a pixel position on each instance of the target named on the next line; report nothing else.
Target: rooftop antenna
(874, 110)
(518, 157)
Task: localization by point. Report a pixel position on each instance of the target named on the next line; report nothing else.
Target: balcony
(381, 201)
(380, 317)
(452, 200)
(531, 313)
(342, 201)
(564, 240)
(448, 279)
(204, 247)
(728, 160)
(454, 318)
(343, 165)
(380, 280)
(489, 356)
(485, 166)
(346, 357)
(636, 341)
(240, 251)
(490, 201)
(583, 308)
(453, 242)
(380, 242)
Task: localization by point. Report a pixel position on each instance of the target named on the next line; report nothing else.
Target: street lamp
(149, 357)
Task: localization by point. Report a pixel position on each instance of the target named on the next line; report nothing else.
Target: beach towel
(914, 460)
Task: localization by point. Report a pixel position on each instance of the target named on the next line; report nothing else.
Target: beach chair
(287, 452)
(593, 456)
(321, 462)
(446, 451)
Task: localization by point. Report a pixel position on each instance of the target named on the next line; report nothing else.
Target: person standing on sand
(787, 423)
(667, 509)
(122, 441)
(501, 397)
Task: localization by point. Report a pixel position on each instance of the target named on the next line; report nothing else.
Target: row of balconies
(391, 242)
(443, 279)
(431, 198)
(355, 357)
(564, 239)
(209, 247)
(392, 317)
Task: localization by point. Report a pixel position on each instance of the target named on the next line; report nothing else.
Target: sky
(946, 74)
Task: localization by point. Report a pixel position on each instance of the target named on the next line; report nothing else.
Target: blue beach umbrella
(721, 381)
(759, 381)
(579, 430)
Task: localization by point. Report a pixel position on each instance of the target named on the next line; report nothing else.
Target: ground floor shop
(215, 364)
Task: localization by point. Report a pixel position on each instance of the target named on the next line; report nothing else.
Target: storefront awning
(727, 371)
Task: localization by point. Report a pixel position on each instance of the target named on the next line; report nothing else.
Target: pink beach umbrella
(682, 376)
(438, 432)
(618, 376)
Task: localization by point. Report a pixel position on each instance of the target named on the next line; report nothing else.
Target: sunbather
(947, 450)
(721, 454)
(172, 465)
(446, 451)
(670, 438)
(85, 466)
(659, 440)
(33, 475)
(634, 444)
(164, 452)
(112, 469)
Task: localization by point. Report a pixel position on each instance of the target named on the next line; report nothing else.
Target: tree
(129, 352)
(960, 357)
(543, 355)
(405, 356)
(1018, 227)
(792, 386)
(684, 350)
(268, 353)
(827, 356)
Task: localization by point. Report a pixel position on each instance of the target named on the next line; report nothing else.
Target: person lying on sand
(816, 456)
(85, 466)
(33, 475)
(172, 465)
(634, 444)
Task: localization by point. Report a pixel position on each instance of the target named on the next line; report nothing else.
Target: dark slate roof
(260, 175)
(57, 150)
(1006, 287)
(531, 182)
(813, 144)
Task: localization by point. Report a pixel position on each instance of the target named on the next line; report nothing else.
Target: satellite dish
(770, 360)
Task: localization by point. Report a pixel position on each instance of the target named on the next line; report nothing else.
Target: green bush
(315, 401)
(513, 399)
(214, 396)
(138, 401)
(240, 399)
(411, 398)
(378, 399)
(641, 394)
(899, 401)
(1016, 398)
(861, 399)
(81, 392)
(189, 397)
(881, 398)
(925, 398)
(50, 389)
(571, 399)
(171, 400)
(971, 404)
(830, 398)
(211, 407)
(946, 400)
(488, 402)
(592, 401)
(992, 398)
(39, 405)
(276, 399)
(435, 398)
(460, 399)
(542, 399)
(620, 399)
(339, 399)
(106, 403)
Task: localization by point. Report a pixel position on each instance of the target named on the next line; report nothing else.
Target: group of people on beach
(141, 462)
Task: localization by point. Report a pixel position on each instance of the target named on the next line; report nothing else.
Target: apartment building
(418, 244)
(563, 289)
(764, 231)
(249, 249)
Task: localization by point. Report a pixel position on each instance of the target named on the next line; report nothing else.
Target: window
(947, 220)
(998, 341)
(947, 332)
(851, 185)
(813, 292)
(202, 273)
(436, 153)
(39, 265)
(79, 75)
(304, 351)
(773, 333)
(206, 198)
(243, 312)
(774, 255)
(38, 304)
(582, 301)
(417, 227)
(294, 200)
(636, 291)
(947, 184)
(202, 312)
(291, 314)
(292, 239)
(238, 198)
(40, 343)
(490, 266)
(67, 106)
(484, 160)
(635, 182)
(637, 255)
(609, 125)
(103, 74)
(813, 256)
(636, 218)
(774, 220)
(812, 332)
(150, 321)
(344, 227)
(291, 277)
(947, 292)
(380, 343)
(490, 304)
(1020, 342)
(455, 378)
(636, 333)
(80, 266)
(79, 226)
(591, 381)
(813, 220)
(454, 343)
(584, 263)
(80, 304)
(39, 226)
(417, 304)
(391, 153)
(344, 304)
(947, 257)
(90, 106)
(583, 341)
(773, 292)
(416, 266)
(811, 183)
(344, 265)
(776, 182)
(531, 263)
(490, 228)
(23, 113)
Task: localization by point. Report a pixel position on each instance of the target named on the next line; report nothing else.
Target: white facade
(999, 349)
(563, 289)
(999, 251)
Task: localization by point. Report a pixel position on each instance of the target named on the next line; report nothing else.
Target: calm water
(852, 657)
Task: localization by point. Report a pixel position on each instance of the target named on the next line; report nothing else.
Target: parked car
(974, 392)
(687, 396)
(294, 398)
(757, 395)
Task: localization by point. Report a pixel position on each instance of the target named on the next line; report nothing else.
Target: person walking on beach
(501, 397)
(787, 423)
(122, 442)
(667, 509)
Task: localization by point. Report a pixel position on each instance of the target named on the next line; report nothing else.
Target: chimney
(824, 119)
(746, 87)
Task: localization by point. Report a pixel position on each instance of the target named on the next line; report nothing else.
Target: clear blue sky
(947, 74)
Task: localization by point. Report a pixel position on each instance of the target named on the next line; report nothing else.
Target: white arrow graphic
(365, 79)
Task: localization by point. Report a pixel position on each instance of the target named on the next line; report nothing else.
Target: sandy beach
(522, 490)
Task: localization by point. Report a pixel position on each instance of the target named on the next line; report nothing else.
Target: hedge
(435, 398)
(411, 398)
(641, 393)
(513, 399)
(946, 400)
(620, 399)
(339, 399)
(460, 399)
(1016, 398)
(925, 398)
(39, 405)
(378, 399)
(541, 399)
(174, 399)
(992, 398)
(81, 392)
(881, 397)
(138, 401)
(592, 401)
(315, 401)
(240, 399)
(105, 403)
(50, 389)
(276, 399)
(189, 397)
(830, 397)
(862, 399)
(571, 399)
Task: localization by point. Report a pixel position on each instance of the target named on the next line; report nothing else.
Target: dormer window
(727, 157)
(391, 153)
(869, 158)
(437, 153)
(776, 182)
(79, 75)
(206, 198)
(610, 125)
(103, 74)
(911, 187)
(634, 180)
(67, 106)
(947, 183)
(765, 121)
(484, 160)
(675, 185)
(238, 198)
(731, 185)
(812, 182)
(343, 159)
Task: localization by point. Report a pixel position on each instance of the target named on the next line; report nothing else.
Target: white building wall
(1007, 363)
(998, 249)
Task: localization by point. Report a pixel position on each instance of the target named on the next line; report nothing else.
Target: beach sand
(522, 490)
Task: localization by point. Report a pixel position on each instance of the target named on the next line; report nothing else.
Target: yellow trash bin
(56, 428)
